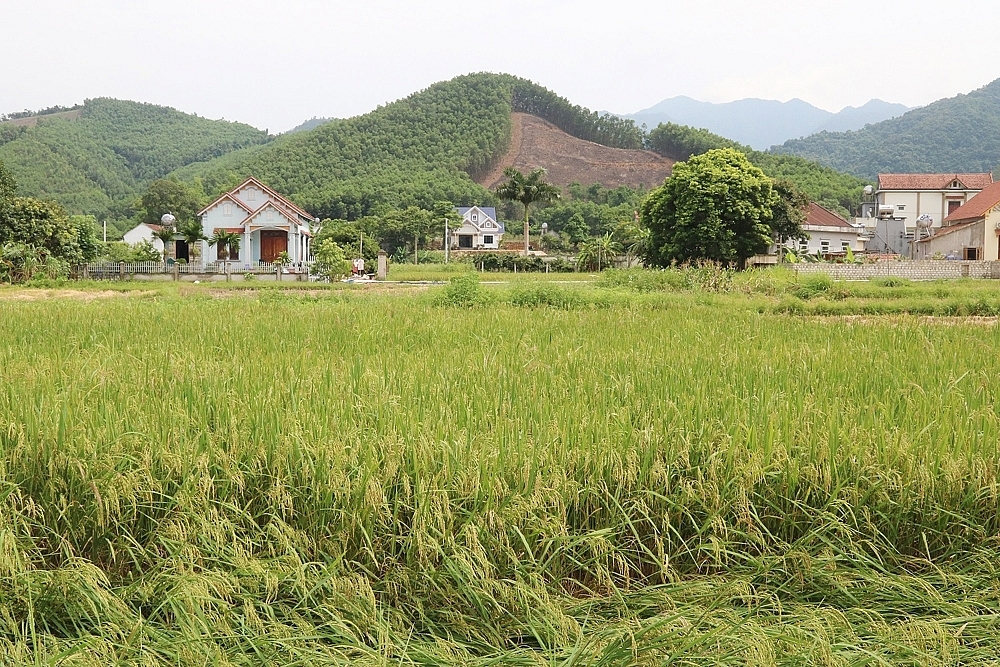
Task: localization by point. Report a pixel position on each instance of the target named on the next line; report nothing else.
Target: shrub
(463, 291)
(813, 285)
(890, 281)
(537, 294)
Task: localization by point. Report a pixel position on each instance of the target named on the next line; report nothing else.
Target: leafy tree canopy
(167, 195)
(428, 147)
(823, 185)
(100, 162)
(716, 206)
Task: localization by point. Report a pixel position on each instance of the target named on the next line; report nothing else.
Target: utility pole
(446, 240)
(105, 231)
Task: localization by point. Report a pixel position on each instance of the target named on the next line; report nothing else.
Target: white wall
(141, 233)
(836, 238)
(930, 202)
(260, 196)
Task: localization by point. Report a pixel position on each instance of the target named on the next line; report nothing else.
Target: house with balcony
(480, 229)
(935, 195)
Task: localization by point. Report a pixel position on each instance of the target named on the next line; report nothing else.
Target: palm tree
(226, 242)
(527, 190)
(166, 236)
(193, 234)
(597, 250)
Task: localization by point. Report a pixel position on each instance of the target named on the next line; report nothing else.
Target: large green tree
(526, 190)
(716, 206)
(167, 195)
(44, 226)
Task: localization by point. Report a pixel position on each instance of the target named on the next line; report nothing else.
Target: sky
(276, 64)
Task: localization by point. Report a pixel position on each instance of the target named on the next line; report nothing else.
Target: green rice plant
(299, 476)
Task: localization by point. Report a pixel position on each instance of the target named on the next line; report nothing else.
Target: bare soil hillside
(32, 121)
(538, 143)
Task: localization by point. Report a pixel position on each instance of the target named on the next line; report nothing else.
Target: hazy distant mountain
(855, 118)
(310, 124)
(957, 134)
(763, 123)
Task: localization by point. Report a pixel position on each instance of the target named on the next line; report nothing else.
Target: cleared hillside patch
(536, 142)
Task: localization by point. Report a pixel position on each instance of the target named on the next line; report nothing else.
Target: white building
(970, 232)
(935, 195)
(828, 234)
(480, 229)
(144, 232)
(268, 225)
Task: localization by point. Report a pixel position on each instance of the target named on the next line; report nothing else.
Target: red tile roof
(820, 217)
(932, 181)
(978, 206)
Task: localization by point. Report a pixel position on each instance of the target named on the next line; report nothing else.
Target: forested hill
(958, 134)
(100, 158)
(428, 147)
(835, 190)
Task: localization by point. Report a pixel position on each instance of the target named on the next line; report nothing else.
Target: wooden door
(272, 244)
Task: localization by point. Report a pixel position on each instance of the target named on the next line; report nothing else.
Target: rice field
(547, 475)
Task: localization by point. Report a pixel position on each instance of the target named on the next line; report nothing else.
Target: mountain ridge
(954, 134)
(761, 123)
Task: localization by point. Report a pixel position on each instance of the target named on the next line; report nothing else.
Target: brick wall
(931, 269)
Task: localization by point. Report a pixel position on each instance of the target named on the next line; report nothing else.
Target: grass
(556, 475)
(444, 272)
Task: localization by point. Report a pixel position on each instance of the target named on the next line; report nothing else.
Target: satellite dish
(168, 220)
(925, 221)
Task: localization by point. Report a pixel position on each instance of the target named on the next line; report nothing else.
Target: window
(251, 194)
(824, 246)
(972, 254)
(803, 246)
(845, 246)
(488, 240)
(464, 240)
(270, 214)
(956, 184)
(901, 207)
(475, 218)
(227, 210)
(953, 205)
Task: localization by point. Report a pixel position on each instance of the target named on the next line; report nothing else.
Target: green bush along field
(334, 478)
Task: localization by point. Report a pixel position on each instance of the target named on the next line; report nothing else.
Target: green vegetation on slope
(308, 481)
(959, 134)
(826, 186)
(101, 161)
(427, 147)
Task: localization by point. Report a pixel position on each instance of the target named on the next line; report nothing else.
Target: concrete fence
(930, 269)
(204, 272)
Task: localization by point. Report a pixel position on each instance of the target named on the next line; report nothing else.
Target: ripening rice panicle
(675, 474)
